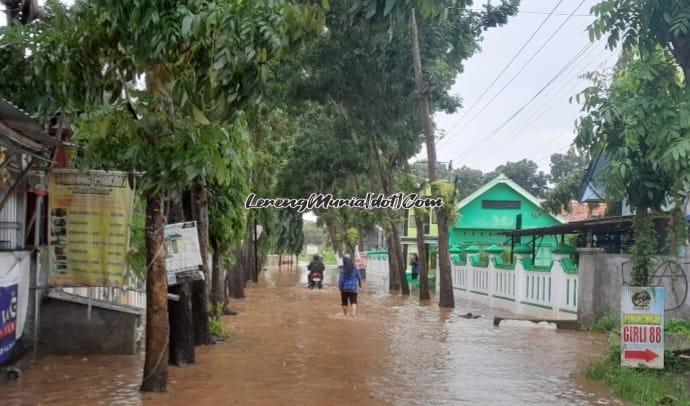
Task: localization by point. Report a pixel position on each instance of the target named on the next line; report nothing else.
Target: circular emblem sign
(641, 299)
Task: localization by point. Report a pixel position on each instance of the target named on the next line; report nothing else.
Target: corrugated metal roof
(28, 132)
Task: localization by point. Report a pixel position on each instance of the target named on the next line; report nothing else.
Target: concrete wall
(603, 275)
(66, 327)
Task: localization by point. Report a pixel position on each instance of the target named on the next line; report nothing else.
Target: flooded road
(292, 346)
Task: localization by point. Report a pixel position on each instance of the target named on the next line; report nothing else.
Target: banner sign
(8, 321)
(183, 255)
(89, 227)
(642, 326)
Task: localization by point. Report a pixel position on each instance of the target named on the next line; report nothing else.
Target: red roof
(581, 211)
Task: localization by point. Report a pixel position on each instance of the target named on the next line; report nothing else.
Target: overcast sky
(478, 137)
(482, 135)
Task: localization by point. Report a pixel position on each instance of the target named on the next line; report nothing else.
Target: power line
(565, 89)
(550, 101)
(516, 113)
(521, 69)
(481, 97)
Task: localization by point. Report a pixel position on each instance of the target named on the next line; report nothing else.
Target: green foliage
(215, 323)
(677, 326)
(604, 324)
(642, 26)
(643, 250)
(640, 120)
(314, 234)
(642, 386)
(137, 241)
(565, 165)
(561, 196)
(526, 174)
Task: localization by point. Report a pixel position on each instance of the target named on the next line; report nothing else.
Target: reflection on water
(292, 345)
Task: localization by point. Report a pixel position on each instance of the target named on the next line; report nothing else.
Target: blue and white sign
(8, 321)
(642, 326)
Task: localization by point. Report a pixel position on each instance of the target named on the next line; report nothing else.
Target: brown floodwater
(292, 346)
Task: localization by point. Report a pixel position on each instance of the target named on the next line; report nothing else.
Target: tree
(369, 84)
(568, 173)
(314, 234)
(184, 125)
(467, 180)
(564, 165)
(644, 25)
(640, 120)
(526, 174)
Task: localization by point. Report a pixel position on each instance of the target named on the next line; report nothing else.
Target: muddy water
(292, 346)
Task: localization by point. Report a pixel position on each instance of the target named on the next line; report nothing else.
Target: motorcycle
(315, 280)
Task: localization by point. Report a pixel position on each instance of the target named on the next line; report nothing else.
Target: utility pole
(446, 298)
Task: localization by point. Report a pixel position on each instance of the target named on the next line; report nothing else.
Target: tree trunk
(402, 268)
(235, 278)
(155, 365)
(393, 272)
(180, 312)
(422, 261)
(181, 327)
(217, 297)
(200, 290)
(446, 298)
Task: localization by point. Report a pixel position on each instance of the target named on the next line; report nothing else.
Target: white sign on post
(183, 255)
(642, 326)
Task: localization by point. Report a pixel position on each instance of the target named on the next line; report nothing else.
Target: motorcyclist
(316, 265)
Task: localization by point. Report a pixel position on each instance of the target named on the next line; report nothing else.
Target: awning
(613, 225)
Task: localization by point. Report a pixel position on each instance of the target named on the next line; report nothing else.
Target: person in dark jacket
(415, 266)
(315, 266)
(350, 281)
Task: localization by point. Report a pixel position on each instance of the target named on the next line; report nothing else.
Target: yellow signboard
(89, 227)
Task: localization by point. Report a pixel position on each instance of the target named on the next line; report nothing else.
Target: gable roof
(593, 187)
(503, 179)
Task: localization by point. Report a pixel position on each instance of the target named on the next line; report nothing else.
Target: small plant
(604, 324)
(677, 326)
(215, 324)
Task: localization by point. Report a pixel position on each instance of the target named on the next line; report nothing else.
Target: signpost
(642, 327)
(183, 255)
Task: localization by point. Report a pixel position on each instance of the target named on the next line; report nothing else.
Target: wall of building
(474, 216)
(603, 275)
(69, 326)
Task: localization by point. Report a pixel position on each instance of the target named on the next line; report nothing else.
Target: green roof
(494, 249)
(522, 249)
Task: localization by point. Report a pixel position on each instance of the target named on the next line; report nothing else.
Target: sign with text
(8, 320)
(642, 326)
(89, 227)
(183, 254)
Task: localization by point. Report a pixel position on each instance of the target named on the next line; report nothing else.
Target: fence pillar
(587, 276)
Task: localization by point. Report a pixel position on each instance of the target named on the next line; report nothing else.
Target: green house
(409, 240)
(497, 207)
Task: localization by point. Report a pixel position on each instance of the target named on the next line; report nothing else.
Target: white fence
(133, 297)
(540, 292)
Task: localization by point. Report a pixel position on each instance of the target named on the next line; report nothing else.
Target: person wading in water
(350, 281)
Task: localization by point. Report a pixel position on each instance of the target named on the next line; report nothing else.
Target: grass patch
(215, 325)
(604, 324)
(643, 386)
